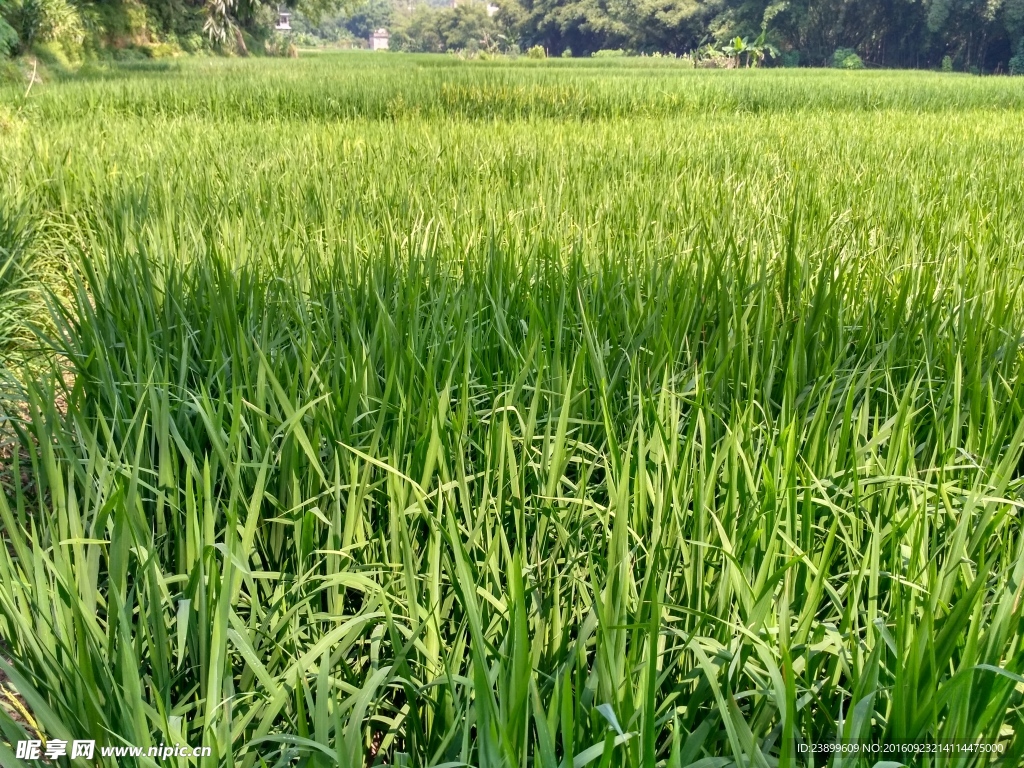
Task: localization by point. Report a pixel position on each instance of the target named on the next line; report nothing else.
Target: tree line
(967, 35)
(983, 34)
(71, 29)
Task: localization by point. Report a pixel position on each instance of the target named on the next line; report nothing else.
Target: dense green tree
(466, 26)
(418, 32)
(901, 33)
(370, 16)
(118, 23)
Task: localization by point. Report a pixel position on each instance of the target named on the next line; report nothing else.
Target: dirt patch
(15, 706)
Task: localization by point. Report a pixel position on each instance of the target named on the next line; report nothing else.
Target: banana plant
(760, 49)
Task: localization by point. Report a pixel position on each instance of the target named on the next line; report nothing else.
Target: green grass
(519, 414)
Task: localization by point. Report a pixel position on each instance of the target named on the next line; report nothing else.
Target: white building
(284, 21)
(379, 40)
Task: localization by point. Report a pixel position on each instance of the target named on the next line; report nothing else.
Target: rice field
(413, 411)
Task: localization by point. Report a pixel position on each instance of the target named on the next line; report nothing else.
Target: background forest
(966, 35)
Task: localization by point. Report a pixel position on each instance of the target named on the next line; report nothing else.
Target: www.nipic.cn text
(87, 749)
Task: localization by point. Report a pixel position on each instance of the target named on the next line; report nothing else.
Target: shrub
(947, 63)
(276, 45)
(567, 53)
(846, 58)
(608, 53)
(245, 43)
(53, 55)
(8, 38)
(10, 73)
(54, 21)
(791, 59)
(1017, 60)
(279, 45)
(537, 52)
(159, 50)
(193, 43)
(129, 55)
(710, 57)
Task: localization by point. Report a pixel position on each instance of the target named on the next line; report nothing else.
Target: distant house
(284, 21)
(379, 40)
(492, 9)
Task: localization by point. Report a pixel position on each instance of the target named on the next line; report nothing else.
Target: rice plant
(16, 254)
(433, 413)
